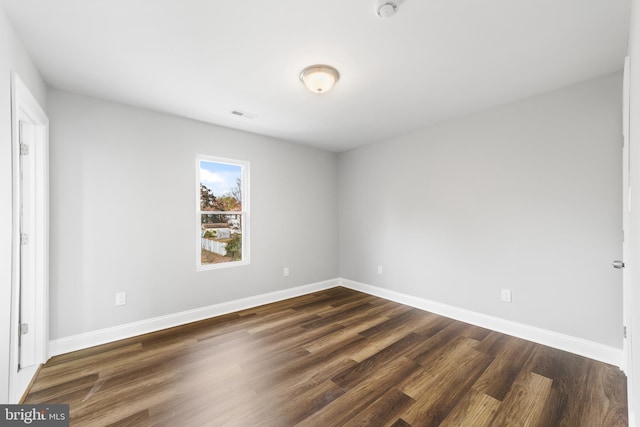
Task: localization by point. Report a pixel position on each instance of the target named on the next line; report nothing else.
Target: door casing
(25, 108)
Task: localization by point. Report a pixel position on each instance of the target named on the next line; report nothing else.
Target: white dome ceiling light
(386, 9)
(319, 78)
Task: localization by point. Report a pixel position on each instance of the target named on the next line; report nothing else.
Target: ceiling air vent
(239, 113)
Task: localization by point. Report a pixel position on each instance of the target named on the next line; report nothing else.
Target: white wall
(123, 211)
(524, 197)
(14, 57)
(634, 257)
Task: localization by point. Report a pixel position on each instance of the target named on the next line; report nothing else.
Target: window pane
(222, 219)
(220, 186)
(221, 238)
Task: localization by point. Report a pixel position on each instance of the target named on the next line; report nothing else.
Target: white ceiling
(433, 60)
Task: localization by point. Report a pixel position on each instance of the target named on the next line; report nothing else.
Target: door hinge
(24, 239)
(24, 149)
(24, 328)
(624, 331)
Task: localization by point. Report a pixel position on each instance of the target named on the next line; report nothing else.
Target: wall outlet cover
(121, 298)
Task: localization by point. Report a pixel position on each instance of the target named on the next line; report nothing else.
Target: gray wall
(14, 57)
(123, 211)
(526, 197)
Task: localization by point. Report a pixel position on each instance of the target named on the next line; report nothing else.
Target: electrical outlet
(285, 272)
(121, 298)
(505, 295)
(379, 269)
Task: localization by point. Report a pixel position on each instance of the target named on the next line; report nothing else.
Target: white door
(27, 280)
(29, 287)
(626, 213)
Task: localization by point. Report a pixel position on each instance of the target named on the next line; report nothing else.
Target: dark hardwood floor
(332, 358)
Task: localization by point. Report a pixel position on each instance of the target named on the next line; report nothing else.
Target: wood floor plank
(554, 409)
(524, 403)
(444, 383)
(57, 373)
(282, 320)
(339, 315)
(433, 346)
(407, 320)
(367, 320)
(332, 339)
(305, 373)
(400, 423)
(372, 365)
(387, 408)
(565, 369)
(474, 409)
(362, 395)
(85, 382)
(139, 419)
(602, 399)
(389, 332)
(332, 358)
(432, 325)
(302, 405)
(497, 380)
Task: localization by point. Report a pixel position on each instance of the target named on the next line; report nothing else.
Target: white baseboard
(582, 347)
(592, 350)
(103, 336)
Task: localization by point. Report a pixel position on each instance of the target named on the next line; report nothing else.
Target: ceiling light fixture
(386, 9)
(319, 78)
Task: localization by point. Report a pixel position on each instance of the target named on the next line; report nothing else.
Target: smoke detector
(386, 9)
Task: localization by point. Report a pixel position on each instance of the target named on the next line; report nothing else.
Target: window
(222, 212)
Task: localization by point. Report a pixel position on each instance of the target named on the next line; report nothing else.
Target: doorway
(30, 239)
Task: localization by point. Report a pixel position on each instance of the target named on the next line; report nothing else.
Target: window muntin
(222, 212)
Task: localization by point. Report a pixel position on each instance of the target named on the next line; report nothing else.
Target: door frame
(24, 107)
(627, 186)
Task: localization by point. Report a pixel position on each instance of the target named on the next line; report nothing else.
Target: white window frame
(245, 213)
